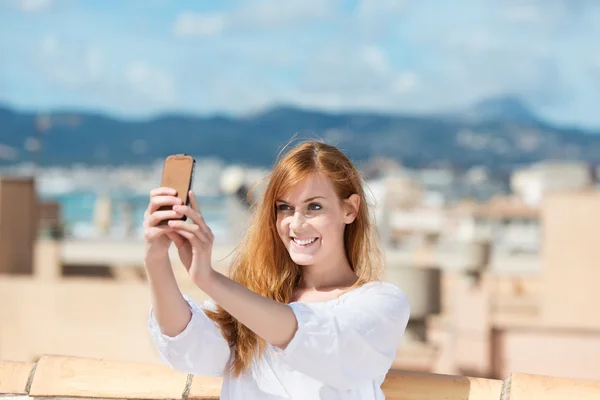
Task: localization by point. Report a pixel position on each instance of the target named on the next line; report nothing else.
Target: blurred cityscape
(488, 210)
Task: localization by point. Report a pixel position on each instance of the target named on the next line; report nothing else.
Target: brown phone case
(178, 173)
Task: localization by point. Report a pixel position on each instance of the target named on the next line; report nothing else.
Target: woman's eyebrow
(313, 198)
(305, 201)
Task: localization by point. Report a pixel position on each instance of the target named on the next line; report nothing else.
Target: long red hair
(262, 263)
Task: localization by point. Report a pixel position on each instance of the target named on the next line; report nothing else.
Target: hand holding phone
(178, 173)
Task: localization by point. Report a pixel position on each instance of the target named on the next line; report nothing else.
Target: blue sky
(136, 58)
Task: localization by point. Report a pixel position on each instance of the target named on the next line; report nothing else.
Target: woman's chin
(302, 259)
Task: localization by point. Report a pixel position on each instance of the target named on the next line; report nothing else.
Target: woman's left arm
(273, 321)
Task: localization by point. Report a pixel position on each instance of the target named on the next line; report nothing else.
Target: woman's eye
(283, 207)
(314, 206)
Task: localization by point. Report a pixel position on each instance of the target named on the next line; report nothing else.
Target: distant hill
(498, 133)
(508, 109)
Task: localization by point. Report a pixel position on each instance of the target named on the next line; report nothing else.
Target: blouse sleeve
(200, 349)
(351, 343)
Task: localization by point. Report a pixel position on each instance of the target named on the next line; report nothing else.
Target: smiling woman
(303, 314)
(311, 223)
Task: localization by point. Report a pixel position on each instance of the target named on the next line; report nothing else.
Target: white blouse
(343, 348)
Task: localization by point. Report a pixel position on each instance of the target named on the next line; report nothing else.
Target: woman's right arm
(186, 339)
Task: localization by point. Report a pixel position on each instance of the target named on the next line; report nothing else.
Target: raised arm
(186, 339)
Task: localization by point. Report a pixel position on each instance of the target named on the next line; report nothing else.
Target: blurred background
(474, 123)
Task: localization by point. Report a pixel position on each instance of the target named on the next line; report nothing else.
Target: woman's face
(311, 221)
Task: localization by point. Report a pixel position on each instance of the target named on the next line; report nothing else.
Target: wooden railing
(72, 377)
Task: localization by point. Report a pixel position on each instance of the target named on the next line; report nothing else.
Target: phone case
(178, 173)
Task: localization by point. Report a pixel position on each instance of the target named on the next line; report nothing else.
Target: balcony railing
(70, 377)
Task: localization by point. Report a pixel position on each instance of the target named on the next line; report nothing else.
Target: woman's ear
(352, 206)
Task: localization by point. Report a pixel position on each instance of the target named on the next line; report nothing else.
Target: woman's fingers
(194, 214)
(153, 232)
(197, 219)
(156, 217)
(178, 230)
(191, 237)
(175, 237)
(190, 231)
(193, 201)
(163, 191)
(187, 235)
(162, 196)
(162, 201)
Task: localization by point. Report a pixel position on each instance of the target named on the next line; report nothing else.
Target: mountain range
(499, 133)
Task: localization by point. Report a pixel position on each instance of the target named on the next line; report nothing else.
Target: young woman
(303, 315)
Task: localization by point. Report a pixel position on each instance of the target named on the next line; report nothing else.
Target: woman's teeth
(304, 242)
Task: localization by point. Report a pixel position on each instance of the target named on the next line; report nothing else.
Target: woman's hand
(194, 241)
(158, 237)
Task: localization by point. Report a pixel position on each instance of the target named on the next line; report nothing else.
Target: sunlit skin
(311, 220)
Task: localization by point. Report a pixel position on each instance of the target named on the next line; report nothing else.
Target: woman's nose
(297, 221)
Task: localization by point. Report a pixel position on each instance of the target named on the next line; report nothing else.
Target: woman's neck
(327, 275)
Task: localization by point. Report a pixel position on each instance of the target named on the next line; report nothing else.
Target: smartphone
(178, 173)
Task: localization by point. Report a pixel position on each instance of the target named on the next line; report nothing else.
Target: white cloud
(523, 13)
(237, 93)
(472, 73)
(514, 47)
(199, 25)
(476, 41)
(93, 62)
(49, 45)
(406, 82)
(34, 5)
(264, 14)
(70, 65)
(545, 17)
(376, 18)
(127, 86)
(282, 14)
(338, 76)
(154, 84)
(373, 9)
(345, 76)
(376, 59)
